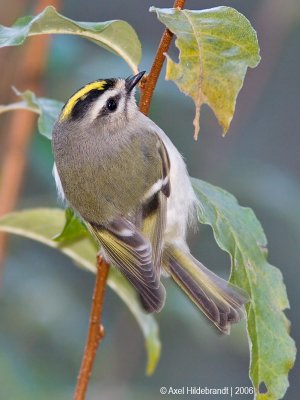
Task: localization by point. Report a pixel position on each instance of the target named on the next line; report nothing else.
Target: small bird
(129, 184)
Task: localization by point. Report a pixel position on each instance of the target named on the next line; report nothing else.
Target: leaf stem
(21, 105)
(149, 82)
(96, 330)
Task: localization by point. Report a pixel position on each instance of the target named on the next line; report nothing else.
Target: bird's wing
(155, 208)
(137, 253)
(131, 252)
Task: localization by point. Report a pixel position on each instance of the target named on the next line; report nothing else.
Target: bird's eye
(111, 104)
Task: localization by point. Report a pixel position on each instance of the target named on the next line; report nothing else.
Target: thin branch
(149, 82)
(96, 330)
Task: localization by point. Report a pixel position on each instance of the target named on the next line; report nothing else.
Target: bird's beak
(132, 81)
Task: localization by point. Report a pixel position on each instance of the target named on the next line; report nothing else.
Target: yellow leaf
(216, 47)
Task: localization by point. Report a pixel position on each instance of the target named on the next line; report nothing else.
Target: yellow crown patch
(81, 94)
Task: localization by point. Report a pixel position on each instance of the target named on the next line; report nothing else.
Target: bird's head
(107, 102)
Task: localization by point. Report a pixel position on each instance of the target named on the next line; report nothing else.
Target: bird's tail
(220, 301)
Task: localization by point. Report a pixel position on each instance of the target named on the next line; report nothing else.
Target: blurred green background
(45, 300)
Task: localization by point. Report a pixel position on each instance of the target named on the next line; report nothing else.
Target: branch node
(101, 331)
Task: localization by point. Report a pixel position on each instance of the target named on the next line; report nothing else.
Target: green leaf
(116, 36)
(42, 224)
(47, 109)
(216, 47)
(238, 232)
(73, 229)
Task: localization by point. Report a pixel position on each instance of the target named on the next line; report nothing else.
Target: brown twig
(96, 330)
(149, 82)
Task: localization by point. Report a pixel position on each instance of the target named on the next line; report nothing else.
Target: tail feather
(153, 300)
(220, 301)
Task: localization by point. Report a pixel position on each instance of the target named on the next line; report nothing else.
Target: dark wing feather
(131, 252)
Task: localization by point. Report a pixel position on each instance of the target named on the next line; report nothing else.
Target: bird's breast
(99, 180)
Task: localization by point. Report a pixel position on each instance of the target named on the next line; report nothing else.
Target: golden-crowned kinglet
(126, 180)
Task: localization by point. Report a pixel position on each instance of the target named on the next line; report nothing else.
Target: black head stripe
(82, 104)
